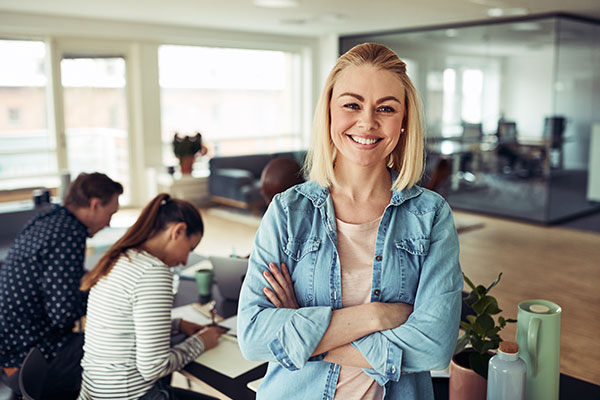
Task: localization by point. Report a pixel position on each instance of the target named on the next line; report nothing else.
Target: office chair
(472, 131)
(32, 375)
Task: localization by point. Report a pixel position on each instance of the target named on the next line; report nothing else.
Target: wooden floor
(556, 264)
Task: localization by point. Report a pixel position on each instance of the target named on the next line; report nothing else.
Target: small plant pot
(465, 384)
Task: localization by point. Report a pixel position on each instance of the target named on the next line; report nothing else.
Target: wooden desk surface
(556, 264)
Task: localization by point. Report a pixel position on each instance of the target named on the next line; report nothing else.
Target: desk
(234, 388)
(570, 388)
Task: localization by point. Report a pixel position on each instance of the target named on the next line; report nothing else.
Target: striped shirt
(127, 334)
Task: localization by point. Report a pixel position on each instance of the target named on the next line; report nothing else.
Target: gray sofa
(235, 180)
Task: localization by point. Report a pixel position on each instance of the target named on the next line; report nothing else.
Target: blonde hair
(408, 158)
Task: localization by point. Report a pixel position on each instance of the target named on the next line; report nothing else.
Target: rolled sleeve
(427, 339)
(265, 333)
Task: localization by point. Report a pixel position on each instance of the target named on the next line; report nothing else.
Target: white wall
(139, 42)
(526, 93)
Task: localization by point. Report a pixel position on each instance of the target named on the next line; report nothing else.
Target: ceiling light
(277, 3)
(504, 12)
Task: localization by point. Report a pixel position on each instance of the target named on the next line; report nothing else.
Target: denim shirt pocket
(302, 253)
(412, 252)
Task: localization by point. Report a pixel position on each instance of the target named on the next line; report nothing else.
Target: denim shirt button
(378, 258)
(377, 292)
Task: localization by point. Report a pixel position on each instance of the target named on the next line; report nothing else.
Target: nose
(367, 120)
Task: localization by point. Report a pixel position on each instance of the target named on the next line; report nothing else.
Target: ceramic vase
(465, 384)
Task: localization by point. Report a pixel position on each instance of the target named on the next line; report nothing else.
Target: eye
(386, 109)
(352, 106)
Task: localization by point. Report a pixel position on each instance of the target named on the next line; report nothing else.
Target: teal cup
(204, 280)
(538, 337)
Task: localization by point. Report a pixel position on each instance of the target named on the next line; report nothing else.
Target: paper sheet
(227, 358)
(230, 323)
(254, 384)
(190, 313)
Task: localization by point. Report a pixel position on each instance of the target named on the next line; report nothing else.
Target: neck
(362, 183)
(81, 214)
(154, 246)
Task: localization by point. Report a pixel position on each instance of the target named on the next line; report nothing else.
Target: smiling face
(367, 111)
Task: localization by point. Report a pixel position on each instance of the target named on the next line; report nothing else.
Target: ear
(95, 204)
(178, 230)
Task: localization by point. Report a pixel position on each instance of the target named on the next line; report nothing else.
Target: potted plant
(469, 366)
(185, 149)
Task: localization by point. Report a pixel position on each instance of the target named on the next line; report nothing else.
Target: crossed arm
(346, 324)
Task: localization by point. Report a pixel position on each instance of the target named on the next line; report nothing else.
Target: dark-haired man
(40, 299)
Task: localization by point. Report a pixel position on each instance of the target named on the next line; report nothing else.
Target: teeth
(363, 140)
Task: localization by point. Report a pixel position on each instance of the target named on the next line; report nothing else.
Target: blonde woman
(366, 299)
(128, 328)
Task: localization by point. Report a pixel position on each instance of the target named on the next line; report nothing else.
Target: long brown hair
(155, 218)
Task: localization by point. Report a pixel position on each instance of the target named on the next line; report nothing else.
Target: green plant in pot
(481, 330)
(469, 366)
(185, 149)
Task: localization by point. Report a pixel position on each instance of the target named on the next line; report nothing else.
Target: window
(14, 116)
(27, 150)
(241, 100)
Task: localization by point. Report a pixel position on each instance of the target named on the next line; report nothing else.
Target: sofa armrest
(226, 182)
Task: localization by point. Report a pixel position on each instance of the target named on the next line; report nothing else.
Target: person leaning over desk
(40, 299)
(128, 327)
(368, 297)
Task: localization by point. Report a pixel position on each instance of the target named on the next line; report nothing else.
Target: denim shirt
(415, 262)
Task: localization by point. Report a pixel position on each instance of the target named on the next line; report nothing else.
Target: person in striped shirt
(127, 346)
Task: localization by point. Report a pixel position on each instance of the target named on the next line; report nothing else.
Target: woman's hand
(392, 315)
(282, 293)
(189, 328)
(210, 336)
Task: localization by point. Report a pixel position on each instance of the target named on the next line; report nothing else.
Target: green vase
(538, 336)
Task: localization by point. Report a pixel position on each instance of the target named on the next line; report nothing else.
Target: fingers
(283, 279)
(274, 283)
(273, 298)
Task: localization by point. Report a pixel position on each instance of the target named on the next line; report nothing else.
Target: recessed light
(504, 12)
(277, 3)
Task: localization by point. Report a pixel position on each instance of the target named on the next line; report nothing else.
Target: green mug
(204, 280)
(538, 337)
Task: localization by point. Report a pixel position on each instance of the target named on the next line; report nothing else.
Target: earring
(402, 130)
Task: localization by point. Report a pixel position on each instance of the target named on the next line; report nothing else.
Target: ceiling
(310, 18)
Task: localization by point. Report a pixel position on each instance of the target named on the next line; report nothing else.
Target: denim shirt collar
(318, 194)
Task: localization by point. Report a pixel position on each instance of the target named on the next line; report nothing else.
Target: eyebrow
(360, 98)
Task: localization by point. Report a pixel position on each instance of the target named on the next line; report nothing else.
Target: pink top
(356, 247)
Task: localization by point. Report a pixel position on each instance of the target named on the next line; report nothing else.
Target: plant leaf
(494, 283)
(461, 343)
(471, 318)
(471, 298)
(468, 281)
(512, 321)
(466, 326)
(485, 322)
(486, 305)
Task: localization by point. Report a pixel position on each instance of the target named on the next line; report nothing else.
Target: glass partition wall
(509, 106)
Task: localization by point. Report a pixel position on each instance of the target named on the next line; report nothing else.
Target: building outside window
(243, 101)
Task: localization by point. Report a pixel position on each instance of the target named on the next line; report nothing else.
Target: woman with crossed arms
(367, 300)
